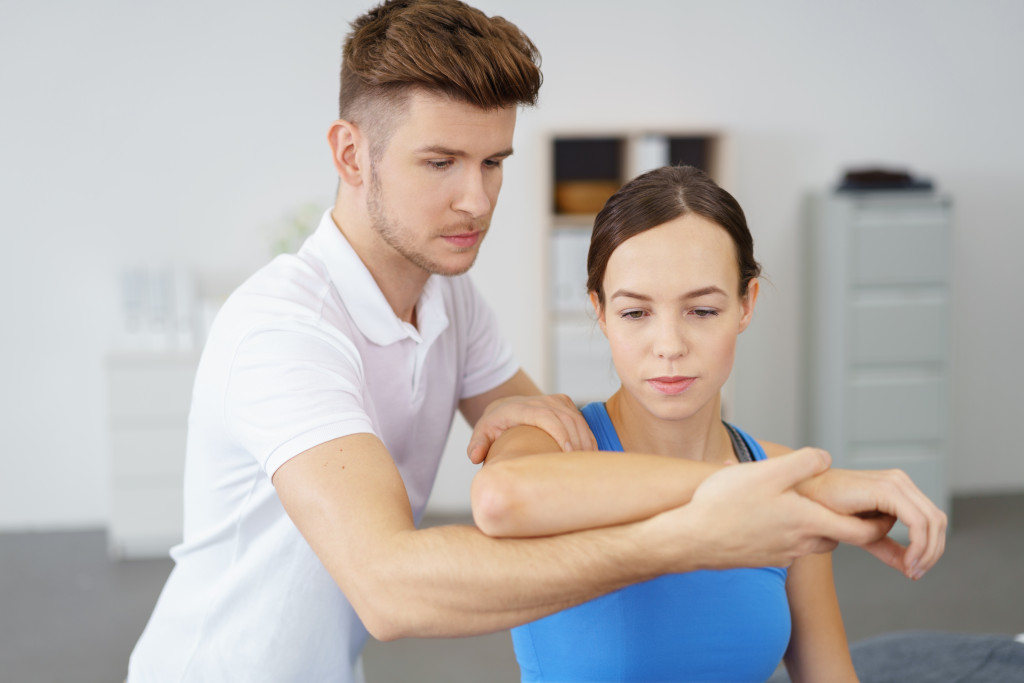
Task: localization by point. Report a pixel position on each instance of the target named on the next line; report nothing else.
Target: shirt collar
(362, 296)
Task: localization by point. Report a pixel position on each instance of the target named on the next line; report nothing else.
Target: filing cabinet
(148, 397)
(878, 362)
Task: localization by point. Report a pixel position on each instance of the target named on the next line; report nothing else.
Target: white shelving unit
(879, 362)
(149, 396)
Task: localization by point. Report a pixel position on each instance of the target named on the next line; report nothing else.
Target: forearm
(553, 493)
(454, 581)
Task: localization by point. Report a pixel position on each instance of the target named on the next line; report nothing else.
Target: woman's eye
(632, 315)
(704, 312)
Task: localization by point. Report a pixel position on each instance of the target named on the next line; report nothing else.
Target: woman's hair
(439, 46)
(657, 197)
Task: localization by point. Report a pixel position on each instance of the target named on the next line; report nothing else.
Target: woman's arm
(818, 650)
(529, 487)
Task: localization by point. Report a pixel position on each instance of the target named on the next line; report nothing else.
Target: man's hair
(439, 46)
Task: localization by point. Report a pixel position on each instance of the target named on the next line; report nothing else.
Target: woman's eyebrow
(626, 294)
(702, 291)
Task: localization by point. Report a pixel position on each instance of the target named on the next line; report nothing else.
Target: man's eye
(441, 164)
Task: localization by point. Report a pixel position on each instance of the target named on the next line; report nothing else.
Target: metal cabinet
(878, 363)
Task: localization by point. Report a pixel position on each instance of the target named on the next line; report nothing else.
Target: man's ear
(598, 311)
(748, 302)
(347, 142)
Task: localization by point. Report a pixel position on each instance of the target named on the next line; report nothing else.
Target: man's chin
(453, 270)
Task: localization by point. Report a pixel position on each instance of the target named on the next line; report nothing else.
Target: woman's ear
(748, 301)
(347, 142)
(595, 301)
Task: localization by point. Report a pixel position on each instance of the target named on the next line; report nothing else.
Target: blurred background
(153, 155)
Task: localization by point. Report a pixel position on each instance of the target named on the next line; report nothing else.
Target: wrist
(673, 542)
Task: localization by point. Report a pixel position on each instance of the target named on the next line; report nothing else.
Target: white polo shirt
(307, 350)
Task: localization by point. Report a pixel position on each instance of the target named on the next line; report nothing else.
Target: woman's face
(672, 313)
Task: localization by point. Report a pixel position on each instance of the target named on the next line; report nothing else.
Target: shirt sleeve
(293, 387)
(489, 361)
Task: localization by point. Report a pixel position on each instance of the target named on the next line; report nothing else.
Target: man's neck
(400, 281)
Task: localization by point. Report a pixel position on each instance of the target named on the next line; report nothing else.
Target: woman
(673, 281)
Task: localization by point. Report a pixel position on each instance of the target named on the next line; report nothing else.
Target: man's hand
(751, 515)
(893, 495)
(555, 414)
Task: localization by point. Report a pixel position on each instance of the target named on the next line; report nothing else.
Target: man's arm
(347, 499)
(519, 402)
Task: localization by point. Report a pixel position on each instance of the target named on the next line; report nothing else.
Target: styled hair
(442, 47)
(657, 197)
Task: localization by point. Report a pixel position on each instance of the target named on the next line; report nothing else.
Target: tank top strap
(601, 425)
(744, 445)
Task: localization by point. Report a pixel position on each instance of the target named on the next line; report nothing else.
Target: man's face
(433, 190)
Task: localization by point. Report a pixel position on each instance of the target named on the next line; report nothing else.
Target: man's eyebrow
(703, 291)
(441, 150)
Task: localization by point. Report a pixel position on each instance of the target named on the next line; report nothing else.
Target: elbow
(384, 627)
(496, 501)
(385, 614)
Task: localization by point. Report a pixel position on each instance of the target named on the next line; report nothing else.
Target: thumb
(476, 451)
(786, 471)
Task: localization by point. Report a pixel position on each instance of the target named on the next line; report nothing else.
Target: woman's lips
(671, 385)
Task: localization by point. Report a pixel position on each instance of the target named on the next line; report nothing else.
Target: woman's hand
(886, 493)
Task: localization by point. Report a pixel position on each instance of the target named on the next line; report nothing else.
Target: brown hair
(441, 46)
(657, 197)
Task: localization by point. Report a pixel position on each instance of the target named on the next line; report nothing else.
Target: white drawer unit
(878, 317)
(149, 397)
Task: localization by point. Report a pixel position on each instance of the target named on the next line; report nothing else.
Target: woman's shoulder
(774, 449)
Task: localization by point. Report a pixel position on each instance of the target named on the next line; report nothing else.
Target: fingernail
(566, 446)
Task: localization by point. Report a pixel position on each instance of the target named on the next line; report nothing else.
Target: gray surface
(67, 613)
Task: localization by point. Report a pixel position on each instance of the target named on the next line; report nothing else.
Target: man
(331, 377)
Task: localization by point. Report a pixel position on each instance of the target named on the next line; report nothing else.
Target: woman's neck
(702, 436)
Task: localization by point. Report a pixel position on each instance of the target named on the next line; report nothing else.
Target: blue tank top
(707, 626)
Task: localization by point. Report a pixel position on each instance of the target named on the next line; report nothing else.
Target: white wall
(140, 133)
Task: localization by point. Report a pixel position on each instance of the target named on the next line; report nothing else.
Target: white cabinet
(879, 330)
(149, 396)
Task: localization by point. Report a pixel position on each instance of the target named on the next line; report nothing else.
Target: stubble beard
(388, 230)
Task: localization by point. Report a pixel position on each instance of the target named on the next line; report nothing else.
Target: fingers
(477, 450)
(892, 493)
(925, 523)
(788, 470)
(561, 419)
(891, 553)
(556, 414)
(927, 527)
